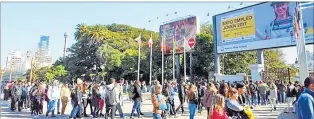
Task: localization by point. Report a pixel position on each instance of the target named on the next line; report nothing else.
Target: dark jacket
(137, 93)
(181, 91)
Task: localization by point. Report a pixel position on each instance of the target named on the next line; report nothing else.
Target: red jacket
(216, 115)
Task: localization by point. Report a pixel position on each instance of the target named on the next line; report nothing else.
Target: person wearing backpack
(119, 100)
(18, 93)
(111, 98)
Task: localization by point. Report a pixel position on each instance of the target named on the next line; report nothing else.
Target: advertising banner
(178, 31)
(262, 26)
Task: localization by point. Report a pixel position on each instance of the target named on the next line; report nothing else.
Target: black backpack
(110, 97)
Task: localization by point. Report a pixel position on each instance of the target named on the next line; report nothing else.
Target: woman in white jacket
(273, 96)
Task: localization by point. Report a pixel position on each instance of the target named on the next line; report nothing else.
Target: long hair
(191, 94)
(220, 100)
(287, 12)
(40, 90)
(211, 88)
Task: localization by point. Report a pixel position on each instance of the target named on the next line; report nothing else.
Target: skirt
(101, 104)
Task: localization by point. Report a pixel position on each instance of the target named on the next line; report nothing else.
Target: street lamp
(33, 61)
(65, 43)
(11, 68)
(2, 73)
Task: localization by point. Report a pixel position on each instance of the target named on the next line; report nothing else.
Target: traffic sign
(191, 42)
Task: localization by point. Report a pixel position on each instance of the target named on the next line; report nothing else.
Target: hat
(275, 3)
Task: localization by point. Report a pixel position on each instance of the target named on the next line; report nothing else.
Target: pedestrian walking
(218, 108)
(263, 90)
(111, 98)
(76, 97)
(95, 100)
(137, 98)
(192, 96)
(182, 95)
(158, 102)
(119, 99)
(291, 96)
(53, 96)
(272, 96)
(65, 97)
(233, 107)
(305, 104)
(208, 99)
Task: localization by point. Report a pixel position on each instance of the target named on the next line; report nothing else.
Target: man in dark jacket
(181, 90)
(13, 96)
(137, 98)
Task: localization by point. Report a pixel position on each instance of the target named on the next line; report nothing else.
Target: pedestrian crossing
(265, 112)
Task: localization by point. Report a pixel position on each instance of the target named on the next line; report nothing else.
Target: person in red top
(218, 108)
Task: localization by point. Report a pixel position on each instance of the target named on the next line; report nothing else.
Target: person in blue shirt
(305, 104)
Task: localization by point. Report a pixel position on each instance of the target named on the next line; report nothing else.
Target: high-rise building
(17, 64)
(44, 58)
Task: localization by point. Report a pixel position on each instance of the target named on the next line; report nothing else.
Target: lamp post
(65, 43)
(11, 68)
(33, 61)
(1, 74)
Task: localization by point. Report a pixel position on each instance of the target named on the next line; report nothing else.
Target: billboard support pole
(191, 73)
(260, 57)
(216, 55)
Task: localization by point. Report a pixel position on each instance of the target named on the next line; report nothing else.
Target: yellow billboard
(238, 27)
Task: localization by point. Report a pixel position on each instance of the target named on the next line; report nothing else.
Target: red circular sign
(191, 42)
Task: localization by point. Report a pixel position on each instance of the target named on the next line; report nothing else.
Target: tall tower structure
(44, 53)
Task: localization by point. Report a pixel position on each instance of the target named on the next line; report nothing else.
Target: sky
(23, 23)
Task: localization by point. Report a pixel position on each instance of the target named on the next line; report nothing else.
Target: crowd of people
(220, 99)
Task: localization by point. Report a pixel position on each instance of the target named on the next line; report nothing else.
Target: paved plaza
(260, 112)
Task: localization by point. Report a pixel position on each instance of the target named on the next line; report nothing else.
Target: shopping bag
(248, 112)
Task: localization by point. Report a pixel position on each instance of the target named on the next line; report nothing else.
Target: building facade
(44, 58)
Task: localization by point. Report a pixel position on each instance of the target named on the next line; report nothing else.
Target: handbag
(163, 106)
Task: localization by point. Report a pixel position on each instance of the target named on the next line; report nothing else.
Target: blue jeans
(192, 109)
(263, 99)
(136, 106)
(254, 99)
(168, 108)
(282, 97)
(156, 116)
(77, 110)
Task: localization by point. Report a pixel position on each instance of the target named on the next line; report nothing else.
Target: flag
(162, 44)
(150, 41)
(138, 39)
(174, 45)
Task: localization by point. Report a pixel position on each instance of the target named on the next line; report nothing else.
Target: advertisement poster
(238, 27)
(262, 26)
(176, 32)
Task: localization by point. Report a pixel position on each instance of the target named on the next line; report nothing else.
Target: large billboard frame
(179, 48)
(215, 34)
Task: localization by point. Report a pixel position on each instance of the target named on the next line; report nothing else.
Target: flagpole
(151, 60)
(162, 61)
(184, 57)
(139, 59)
(173, 66)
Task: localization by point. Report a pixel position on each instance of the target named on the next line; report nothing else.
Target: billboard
(177, 31)
(261, 26)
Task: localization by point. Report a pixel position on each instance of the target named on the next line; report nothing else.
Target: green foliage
(114, 52)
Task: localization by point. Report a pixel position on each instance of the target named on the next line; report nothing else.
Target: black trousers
(23, 101)
(181, 105)
(87, 101)
(19, 103)
(13, 102)
(112, 110)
